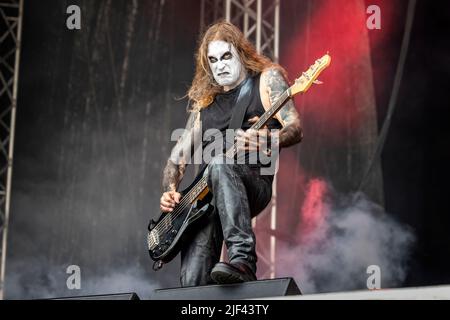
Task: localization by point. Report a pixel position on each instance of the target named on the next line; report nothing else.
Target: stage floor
(413, 293)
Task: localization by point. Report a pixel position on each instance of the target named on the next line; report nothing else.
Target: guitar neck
(272, 110)
(197, 189)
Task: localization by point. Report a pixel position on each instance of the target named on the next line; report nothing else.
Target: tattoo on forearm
(180, 154)
(172, 175)
(292, 131)
(290, 135)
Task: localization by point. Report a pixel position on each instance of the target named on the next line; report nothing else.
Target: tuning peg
(317, 82)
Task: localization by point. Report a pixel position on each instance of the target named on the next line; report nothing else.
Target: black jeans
(239, 193)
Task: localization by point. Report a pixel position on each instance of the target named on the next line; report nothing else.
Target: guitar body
(165, 234)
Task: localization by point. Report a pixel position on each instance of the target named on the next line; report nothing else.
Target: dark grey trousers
(239, 193)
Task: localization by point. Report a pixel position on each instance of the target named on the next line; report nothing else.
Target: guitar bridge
(152, 240)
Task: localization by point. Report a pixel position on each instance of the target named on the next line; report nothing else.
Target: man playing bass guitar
(224, 61)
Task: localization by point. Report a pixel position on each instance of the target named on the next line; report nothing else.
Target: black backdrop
(95, 120)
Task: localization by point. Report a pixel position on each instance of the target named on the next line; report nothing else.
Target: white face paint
(225, 64)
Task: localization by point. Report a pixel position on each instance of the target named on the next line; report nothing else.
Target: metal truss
(11, 13)
(259, 20)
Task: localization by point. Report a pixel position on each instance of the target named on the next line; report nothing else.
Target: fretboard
(197, 189)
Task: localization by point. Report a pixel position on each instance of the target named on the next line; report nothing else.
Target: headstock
(309, 77)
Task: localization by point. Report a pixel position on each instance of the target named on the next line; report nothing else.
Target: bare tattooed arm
(274, 85)
(180, 155)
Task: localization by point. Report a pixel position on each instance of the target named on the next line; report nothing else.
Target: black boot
(224, 273)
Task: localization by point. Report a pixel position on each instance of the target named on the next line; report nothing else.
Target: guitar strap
(242, 103)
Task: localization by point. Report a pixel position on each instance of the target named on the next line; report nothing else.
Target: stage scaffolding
(260, 22)
(11, 13)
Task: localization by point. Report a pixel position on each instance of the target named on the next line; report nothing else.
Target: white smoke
(354, 234)
(41, 282)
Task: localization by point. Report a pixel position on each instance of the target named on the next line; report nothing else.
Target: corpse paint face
(225, 64)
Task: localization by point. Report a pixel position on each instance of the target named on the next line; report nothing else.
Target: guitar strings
(183, 203)
(160, 228)
(164, 224)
